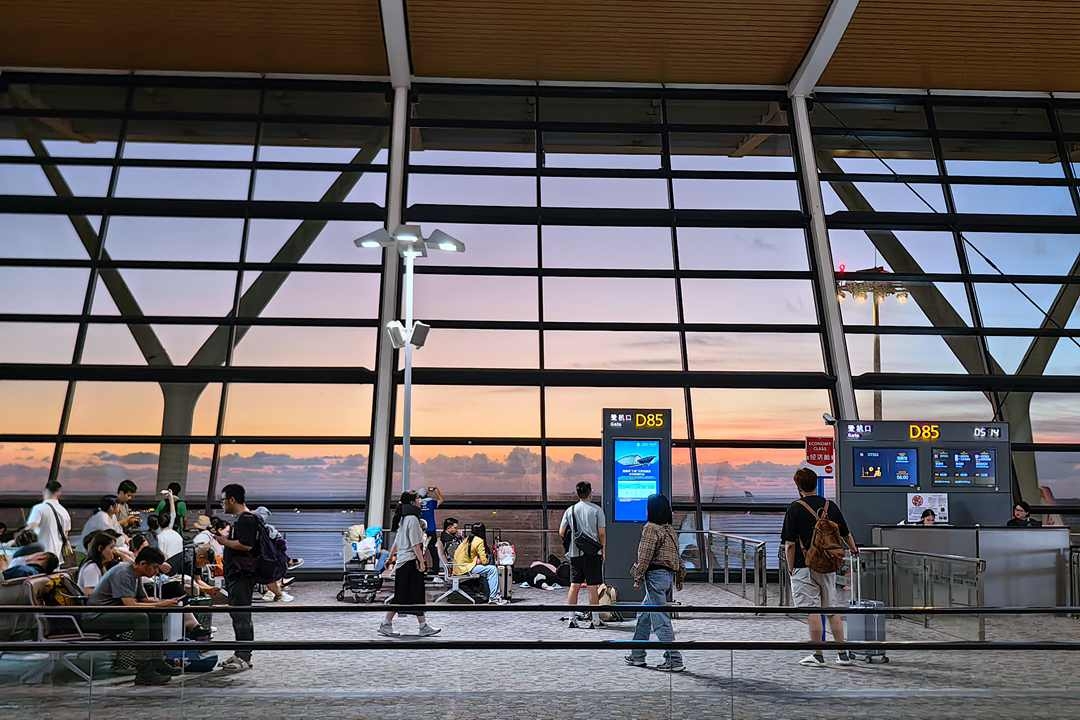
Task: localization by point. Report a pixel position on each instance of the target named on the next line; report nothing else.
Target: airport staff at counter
(1021, 516)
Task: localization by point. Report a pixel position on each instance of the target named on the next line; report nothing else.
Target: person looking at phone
(431, 498)
(123, 585)
(125, 494)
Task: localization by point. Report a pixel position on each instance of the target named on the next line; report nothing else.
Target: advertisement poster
(917, 502)
(637, 476)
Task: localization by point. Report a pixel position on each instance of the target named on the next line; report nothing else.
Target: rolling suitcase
(506, 581)
(862, 627)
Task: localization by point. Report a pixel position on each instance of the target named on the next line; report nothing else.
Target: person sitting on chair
(471, 558)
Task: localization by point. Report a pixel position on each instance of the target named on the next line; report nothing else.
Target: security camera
(829, 419)
(419, 334)
(397, 334)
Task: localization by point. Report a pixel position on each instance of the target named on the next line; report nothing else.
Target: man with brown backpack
(814, 536)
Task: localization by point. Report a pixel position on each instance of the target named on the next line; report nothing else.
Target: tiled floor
(414, 682)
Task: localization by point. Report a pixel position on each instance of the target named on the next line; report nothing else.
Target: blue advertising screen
(637, 476)
(886, 467)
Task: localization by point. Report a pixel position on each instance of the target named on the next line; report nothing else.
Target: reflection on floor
(563, 684)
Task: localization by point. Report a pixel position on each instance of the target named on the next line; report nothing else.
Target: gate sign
(819, 451)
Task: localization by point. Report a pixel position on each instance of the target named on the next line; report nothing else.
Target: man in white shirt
(50, 520)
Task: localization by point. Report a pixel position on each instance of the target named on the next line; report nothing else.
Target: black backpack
(268, 561)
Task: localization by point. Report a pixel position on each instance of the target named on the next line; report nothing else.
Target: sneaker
(152, 678)
(235, 664)
(427, 630)
(269, 596)
(813, 661)
(387, 630)
(295, 563)
(438, 580)
(163, 668)
(284, 597)
(634, 661)
(844, 658)
(668, 666)
(525, 585)
(498, 601)
(599, 623)
(286, 582)
(573, 624)
(199, 633)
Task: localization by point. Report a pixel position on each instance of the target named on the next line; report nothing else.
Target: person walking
(239, 569)
(814, 534)
(659, 568)
(584, 537)
(409, 571)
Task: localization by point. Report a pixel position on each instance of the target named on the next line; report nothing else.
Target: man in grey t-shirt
(586, 568)
(122, 585)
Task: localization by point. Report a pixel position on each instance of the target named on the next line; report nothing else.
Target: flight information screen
(886, 467)
(637, 476)
(965, 467)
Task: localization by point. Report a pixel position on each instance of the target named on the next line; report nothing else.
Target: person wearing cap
(202, 530)
(274, 591)
(430, 500)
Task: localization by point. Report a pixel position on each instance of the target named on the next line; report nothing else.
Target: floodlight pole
(406, 418)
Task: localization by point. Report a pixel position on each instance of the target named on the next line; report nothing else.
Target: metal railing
(1074, 575)
(727, 546)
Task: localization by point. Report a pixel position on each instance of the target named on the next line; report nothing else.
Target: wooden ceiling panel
(692, 41)
(960, 44)
(288, 36)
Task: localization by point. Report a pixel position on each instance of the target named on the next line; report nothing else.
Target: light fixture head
(374, 239)
(420, 332)
(860, 296)
(445, 242)
(902, 297)
(398, 336)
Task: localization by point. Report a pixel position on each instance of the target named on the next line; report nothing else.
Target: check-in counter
(1025, 567)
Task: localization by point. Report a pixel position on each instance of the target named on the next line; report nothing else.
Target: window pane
(115, 344)
(472, 411)
(24, 470)
(448, 297)
(638, 110)
(910, 353)
(77, 180)
(135, 408)
(326, 187)
(44, 236)
(682, 481)
(1055, 417)
(608, 247)
(314, 294)
(609, 300)
(313, 241)
(172, 292)
(42, 290)
(882, 197)
(881, 154)
(902, 251)
(699, 111)
(467, 474)
(468, 147)
(736, 194)
(577, 412)
(602, 150)
(723, 151)
(942, 405)
(748, 475)
(306, 347)
(1057, 476)
(323, 143)
(742, 249)
(195, 99)
(59, 136)
(1003, 305)
(31, 406)
(1021, 254)
(875, 115)
(296, 472)
(486, 245)
(1005, 158)
(183, 183)
(604, 192)
(37, 342)
(930, 304)
(760, 414)
(156, 238)
(748, 301)
(577, 350)
(992, 117)
(441, 189)
(93, 470)
(279, 101)
(566, 467)
(1013, 199)
(189, 140)
(449, 347)
(76, 96)
(298, 409)
(455, 106)
(770, 352)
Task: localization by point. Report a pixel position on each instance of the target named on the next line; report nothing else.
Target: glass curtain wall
(623, 248)
(953, 221)
(181, 298)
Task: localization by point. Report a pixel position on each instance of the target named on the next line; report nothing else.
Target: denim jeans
(491, 574)
(657, 585)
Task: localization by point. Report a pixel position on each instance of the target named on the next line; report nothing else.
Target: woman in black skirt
(409, 571)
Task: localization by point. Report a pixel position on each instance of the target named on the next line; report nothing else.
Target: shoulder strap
(810, 509)
(59, 525)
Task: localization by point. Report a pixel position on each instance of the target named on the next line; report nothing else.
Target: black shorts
(587, 570)
(409, 584)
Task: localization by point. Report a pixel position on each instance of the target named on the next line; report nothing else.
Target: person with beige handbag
(52, 523)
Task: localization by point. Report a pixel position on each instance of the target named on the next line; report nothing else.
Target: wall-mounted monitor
(637, 476)
(886, 467)
(965, 467)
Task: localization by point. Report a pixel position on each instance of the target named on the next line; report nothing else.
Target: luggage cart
(362, 576)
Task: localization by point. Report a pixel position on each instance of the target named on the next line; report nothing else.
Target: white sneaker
(498, 601)
(387, 630)
(813, 661)
(427, 630)
(269, 596)
(235, 664)
(285, 597)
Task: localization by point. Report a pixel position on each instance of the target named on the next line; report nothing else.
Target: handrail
(961, 558)
(754, 545)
